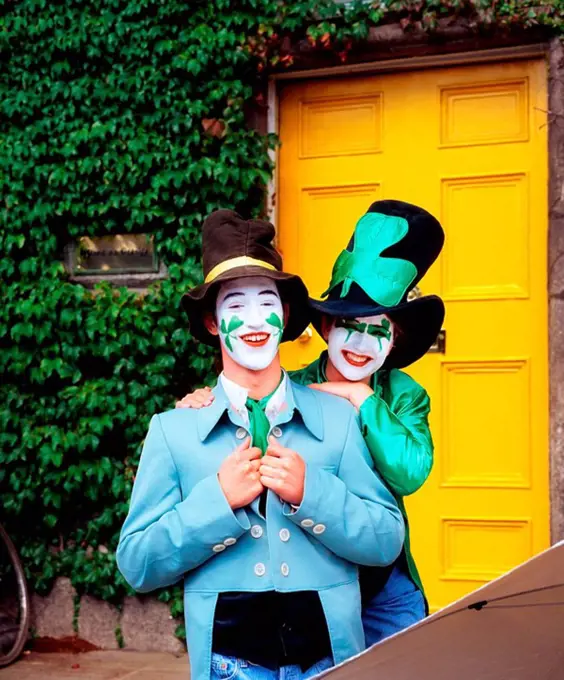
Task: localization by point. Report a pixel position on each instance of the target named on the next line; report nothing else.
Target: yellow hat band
(235, 262)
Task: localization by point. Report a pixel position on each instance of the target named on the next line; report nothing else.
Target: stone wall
(142, 623)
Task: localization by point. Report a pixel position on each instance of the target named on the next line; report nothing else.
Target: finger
(244, 445)
(277, 450)
(274, 447)
(250, 471)
(182, 404)
(240, 451)
(332, 388)
(255, 464)
(204, 395)
(274, 462)
(251, 453)
(189, 401)
(275, 473)
(273, 483)
(192, 402)
(323, 387)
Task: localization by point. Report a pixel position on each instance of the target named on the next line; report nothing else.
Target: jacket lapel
(305, 401)
(209, 417)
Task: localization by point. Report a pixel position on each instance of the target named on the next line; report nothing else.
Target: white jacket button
(319, 528)
(218, 548)
(284, 535)
(307, 523)
(256, 531)
(230, 541)
(276, 431)
(285, 569)
(260, 569)
(241, 433)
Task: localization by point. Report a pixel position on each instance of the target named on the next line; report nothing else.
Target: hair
(398, 331)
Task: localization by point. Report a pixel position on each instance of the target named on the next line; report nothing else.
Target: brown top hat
(231, 248)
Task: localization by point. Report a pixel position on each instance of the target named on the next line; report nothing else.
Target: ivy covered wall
(130, 116)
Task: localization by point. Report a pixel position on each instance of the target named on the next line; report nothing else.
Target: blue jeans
(230, 668)
(397, 605)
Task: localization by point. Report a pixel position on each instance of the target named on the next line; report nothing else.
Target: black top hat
(231, 248)
(392, 248)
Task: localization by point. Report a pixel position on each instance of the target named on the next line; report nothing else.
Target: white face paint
(250, 320)
(359, 347)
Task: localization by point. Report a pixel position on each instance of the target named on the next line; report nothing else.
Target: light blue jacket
(180, 524)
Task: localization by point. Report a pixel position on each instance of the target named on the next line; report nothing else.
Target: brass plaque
(116, 254)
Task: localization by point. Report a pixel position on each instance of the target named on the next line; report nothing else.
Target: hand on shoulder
(355, 392)
(198, 399)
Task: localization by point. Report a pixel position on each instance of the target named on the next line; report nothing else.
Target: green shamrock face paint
(358, 347)
(276, 321)
(380, 331)
(228, 328)
(250, 319)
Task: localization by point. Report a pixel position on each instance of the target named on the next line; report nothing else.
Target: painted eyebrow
(232, 295)
(267, 292)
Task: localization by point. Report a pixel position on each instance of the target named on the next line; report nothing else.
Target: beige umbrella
(510, 629)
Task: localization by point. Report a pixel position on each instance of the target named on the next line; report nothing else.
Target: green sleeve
(307, 375)
(299, 376)
(400, 442)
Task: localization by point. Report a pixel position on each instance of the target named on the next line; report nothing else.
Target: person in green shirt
(372, 331)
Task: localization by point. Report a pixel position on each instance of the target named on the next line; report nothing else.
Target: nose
(255, 318)
(363, 343)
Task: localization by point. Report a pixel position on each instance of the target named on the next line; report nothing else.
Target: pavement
(103, 665)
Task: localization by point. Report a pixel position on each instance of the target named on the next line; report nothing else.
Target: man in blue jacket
(266, 501)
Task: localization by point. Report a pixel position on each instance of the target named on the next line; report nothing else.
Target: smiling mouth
(357, 360)
(255, 339)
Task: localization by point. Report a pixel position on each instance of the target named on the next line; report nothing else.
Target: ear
(210, 323)
(326, 326)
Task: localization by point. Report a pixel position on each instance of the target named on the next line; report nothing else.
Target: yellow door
(469, 144)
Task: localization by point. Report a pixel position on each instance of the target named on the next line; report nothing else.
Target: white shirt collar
(238, 396)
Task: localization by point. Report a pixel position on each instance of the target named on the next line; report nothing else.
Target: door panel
(469, 144)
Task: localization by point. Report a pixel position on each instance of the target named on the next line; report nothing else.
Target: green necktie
(259, 425)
